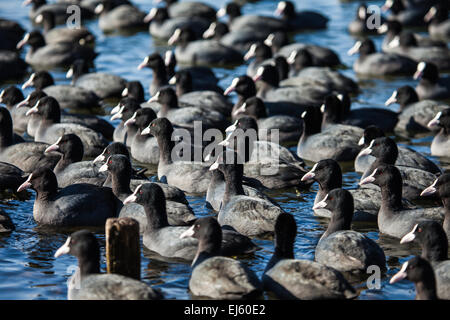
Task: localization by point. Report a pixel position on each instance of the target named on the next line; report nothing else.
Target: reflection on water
(28, 269)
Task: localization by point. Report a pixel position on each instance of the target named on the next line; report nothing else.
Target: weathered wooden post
(123, 250)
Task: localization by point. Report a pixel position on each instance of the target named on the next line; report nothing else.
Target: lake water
(28, 269)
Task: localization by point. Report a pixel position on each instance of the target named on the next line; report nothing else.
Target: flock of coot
(84, 170)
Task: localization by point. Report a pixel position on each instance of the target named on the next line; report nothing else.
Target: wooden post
(123, 250)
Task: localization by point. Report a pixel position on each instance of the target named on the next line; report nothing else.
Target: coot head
(243, 85)
(370, 133)
(47, 19)
(312, 120)
(182, 36)
(70, 145)
(300, 59)
(84, 246)
(78, 68)
(183, 81)
(158, 15)
(431, 237)
(232, 9)
(396, 6)
(113, 148)
(340, 203)
(385, 175)
(285, 233)
(207, 230)
(384, 149)
(39, 80)
(332, 110)
(364, 48)
(259, 51)
(34, 39)
(142, 118)
(160, 127)
(403, 96)
(11, 96)
(441, 185)
(327, 173)
(48, 108)
(32, 98)
(282, 66)
(286, 9)
(277, 40)
(154, 62)
(42, 180)
(166, 97)
(6, 128)
(253, 107)
(268, 74)
(216, 31)
(125, 109)
(391, 27)
(419, 271)
(134, 89)
(442, 120)
(427, 71)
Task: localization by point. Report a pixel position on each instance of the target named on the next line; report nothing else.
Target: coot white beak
(409, 237)
(34, 109)
(221, 13)
(239, 110)
(387, 5)
(115, 109)
(322, 108)
(53, 147)
(259, 74)
(119, 114)
(131, 121)
(64, 249)
(69, 73)
(310, 174)
(154, 98)
(292, 56)
(145, 131)
(149, 17)
(394, 42)
(430, 14)
(132, 198)
(25, 185)
(322, 204)
(125, 92)
(383, 29)
(367, 150)
(168, 57)
(232, 87)
(173, 80)
(420, 68)
(99, 8)
(250, 53)
(188, 233)
(400, 275)
(435, 121)
(26, 3)
(210, 32)
(104, 167)
(369, 179)
(23, 102)
(361, 141)
(174, 38)
(232, 127)
(269, 40)
(29, 82)
(22, 42)
(280, 8)
(143, 64)
(429, 190)
(39, 18)
(100, 158)
(392, 99)
(355, 49)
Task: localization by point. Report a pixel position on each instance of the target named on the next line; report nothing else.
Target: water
(28, 269)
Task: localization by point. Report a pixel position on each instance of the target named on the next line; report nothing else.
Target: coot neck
(207, 249)
(156, 215)
(233, 184)
(160, 76)
(165, 108)
(120, 182)
(65, 160)
(391, 194)
(338, 222)
(446, 224)
(89, 264)
(426, 290)
(282, 251)
(6, 137)
(165, 145)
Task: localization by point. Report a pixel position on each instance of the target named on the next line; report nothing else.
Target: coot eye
(419, 230)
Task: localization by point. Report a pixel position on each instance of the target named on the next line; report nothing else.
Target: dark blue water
(27, 267)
